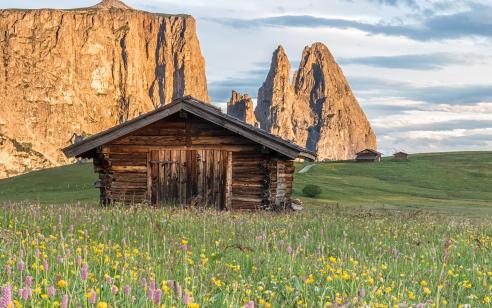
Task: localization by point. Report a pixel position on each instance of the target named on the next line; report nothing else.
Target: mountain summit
(317, 109)
(112, 4)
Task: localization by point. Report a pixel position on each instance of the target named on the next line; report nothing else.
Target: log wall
(247, 177)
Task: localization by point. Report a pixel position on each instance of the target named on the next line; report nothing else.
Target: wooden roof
(199, 109)
(400, 153)
(368, 151)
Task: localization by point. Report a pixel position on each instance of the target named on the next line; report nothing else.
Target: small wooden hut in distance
(189, 152)
(400, 156)
(368, 155)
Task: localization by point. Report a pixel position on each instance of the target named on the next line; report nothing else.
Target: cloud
(438, 94)
(430, 61)
(475, 21)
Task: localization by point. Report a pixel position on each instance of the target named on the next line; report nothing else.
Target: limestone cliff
(84, 70)
(241, 107)
(317, 109)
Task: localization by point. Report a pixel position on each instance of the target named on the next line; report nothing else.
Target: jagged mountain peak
(241, 107)
(112, 4)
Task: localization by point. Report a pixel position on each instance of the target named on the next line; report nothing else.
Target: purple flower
(25, 293)
(362, 292)
(250, 304)
(150, 293)
(170, 283)
(6, 299)
(127, 290)
(8, 269)
(93, 297)
(46, 265)
(109, 280)
(179, 292)
(20, 266)
(28, 281)
(144, 283)
(59, 259)
(114, 289)
(289, 250)
(68, 253)
(64, 301)
(187, 298)
(51, 291)
(157, 296)
(37, 253)
(152, 284)
(83, 273)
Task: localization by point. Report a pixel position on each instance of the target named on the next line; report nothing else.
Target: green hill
(454, 183)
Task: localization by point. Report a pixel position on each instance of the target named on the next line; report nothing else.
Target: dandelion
(102, 305)
(332, 259)
(6, 299)
(62, 283)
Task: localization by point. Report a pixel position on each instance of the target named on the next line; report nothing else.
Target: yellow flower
(427, 291)
(62, 283)
(102, 305)
(411, 296)
(193, 305)
(184, 242)
(332, 259)
(423, 283)
(310, 279)
(486, 299)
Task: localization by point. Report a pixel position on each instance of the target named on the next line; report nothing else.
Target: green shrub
(311, 190)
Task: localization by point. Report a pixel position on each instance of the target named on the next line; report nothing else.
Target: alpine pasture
(410, 234)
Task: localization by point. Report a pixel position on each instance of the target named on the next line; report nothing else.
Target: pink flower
(6, 299)
(144, 283)
(152, 284)
(20, 266)
(79, 260)
(109, 280)
(83, 273)
(8, 269)
(150, 293)
(51, 291)
(250, 304)
(127, 290)
(93, 297)
(64, 301)
(45, 265)
(187, 298)
(289, 250)
(114, 289)
(25, 293)
(179, 292)
(28, 281)
(157, 296)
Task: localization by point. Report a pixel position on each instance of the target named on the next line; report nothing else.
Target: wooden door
(197, 177)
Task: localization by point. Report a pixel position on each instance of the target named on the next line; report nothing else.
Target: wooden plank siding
(192, 161)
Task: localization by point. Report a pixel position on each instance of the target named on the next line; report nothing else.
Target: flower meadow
(87, 256)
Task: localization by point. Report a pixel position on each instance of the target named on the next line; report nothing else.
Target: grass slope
(457, 183)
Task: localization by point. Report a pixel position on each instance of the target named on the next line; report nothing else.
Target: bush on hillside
(311, 190)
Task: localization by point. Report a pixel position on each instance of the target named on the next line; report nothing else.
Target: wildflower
(127, 290)
(289, 250)
(427, 291)
(187, 298)
(20, 266)
(362, 292)
(309, 279)
(423, 283)
(64, 301)
(6, 299)
(51, 291)
(193, 305)
(411, 295)
(332, 259)
(28, 281)
(114, 289)
(84, 272)
(486, 299)
(25, 293)
(179, 291)
(92, 296)
(157, 296)
(102, 305)
(250, 304)
(62, 283)
(45, 265)
(144, 283)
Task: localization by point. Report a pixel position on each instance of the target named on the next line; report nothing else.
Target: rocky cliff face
(241, 107)
(84, 70)
(317, 109)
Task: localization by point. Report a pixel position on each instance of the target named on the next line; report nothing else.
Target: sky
(421, 70)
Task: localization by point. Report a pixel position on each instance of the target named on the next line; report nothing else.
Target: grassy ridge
(452, 183)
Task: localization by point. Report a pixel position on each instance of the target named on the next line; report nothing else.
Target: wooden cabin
(189, 152)
(368, 155)
(400, 156)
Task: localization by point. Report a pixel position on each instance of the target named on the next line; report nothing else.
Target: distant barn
(189, 152)
(400, 156)
(368, 155)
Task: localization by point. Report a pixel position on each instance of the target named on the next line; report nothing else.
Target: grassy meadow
(350, 247)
